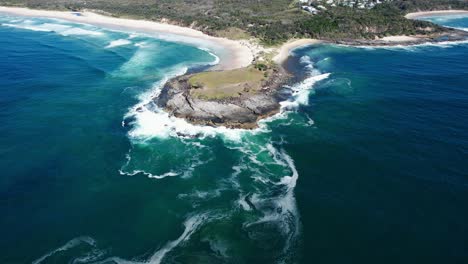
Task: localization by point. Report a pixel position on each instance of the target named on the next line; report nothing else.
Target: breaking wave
(62, 29)
(117, 43)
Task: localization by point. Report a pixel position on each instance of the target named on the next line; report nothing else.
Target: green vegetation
(233, 33)
(348, 23)
(272, 21)
(226, 84)
(429, 5)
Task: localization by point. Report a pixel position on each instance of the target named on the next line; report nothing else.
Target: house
(310, 9)
(321, 7)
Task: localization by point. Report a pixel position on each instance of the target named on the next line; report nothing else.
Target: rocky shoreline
(247, 109)
(243, 111)
(449, 35)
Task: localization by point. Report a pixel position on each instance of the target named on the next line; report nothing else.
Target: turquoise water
(366, 163)
(455, 21)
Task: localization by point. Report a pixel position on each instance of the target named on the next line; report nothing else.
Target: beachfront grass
(233, 33)
(226, 84)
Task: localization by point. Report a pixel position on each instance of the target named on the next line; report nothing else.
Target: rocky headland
(240, 110)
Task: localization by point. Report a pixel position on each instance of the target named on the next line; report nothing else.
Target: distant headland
(245, 85)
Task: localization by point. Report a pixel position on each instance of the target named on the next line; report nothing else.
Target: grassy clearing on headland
(226, 84)
(271, 21)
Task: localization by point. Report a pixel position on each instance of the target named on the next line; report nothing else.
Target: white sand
(285, 50)
(436, 13)
(233, 54)
(399, 39)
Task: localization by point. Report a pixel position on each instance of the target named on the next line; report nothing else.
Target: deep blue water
(366, 164)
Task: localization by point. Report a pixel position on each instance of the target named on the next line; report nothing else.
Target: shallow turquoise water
(368, 166)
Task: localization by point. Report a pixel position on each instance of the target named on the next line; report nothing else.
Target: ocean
(366, 163)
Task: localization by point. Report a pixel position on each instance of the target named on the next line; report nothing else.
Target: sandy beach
(285, 50)
(436, 13)
(399, 39)
(233, 54)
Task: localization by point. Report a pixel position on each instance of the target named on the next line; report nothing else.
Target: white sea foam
(128, 157)
(149, 121)
(61, 29)
(191, 225)
(140, 44)
(414, 47)
(157, 123)
(70, 244)
(219, 247)
(310, 121)
(117, 43)
(27, 27)
(216, 60)
(81, 32)
(118, 261)
(301, 91)
(138, 63)
(90, 257)
(242, 203)
(54, 27)
(132, 36)
(149, 175)
(281, 209)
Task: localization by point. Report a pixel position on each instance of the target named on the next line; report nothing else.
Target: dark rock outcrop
(237, 112)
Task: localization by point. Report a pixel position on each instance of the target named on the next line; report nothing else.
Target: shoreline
(233, 54)
(285, 50)
(247, 109)
(420, 14)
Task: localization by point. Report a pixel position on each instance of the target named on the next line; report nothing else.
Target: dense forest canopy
(272, 21)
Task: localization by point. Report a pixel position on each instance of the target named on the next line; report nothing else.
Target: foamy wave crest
(138, 64)
(54, 27)
(216, 58)
(301, 90)
(414, 47)
(64, 30)
(33, 28)
(150, 121)
(157, 123)
(119, 42)
(80, 31)
(132, 36)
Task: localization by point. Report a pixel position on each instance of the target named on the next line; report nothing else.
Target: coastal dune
(233, 54)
